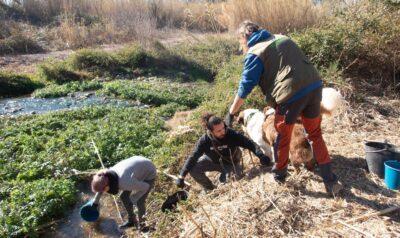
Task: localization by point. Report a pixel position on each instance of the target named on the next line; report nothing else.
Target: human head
(100, 182)
(215, 125)
(244, 31)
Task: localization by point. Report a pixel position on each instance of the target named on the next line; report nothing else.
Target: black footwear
(129, 223)
(333, 189)
(279, 175)
(331, 181)
(222, 177)
(280, 178)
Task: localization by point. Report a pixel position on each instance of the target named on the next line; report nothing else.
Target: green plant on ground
(19, 44)
(98, 62)
(58, 72)
(31, 204)
(37, 156)
(133, 56)
(154, 93)
(362, 39)
(16, 85)
(54, 90)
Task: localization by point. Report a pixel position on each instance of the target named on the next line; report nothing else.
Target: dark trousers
(205, 164)
(140, 204)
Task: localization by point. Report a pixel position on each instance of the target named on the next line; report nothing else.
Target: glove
(180, 182)
(265, 160)
(229, 119)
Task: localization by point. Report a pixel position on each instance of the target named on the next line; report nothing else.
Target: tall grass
(278, 16)
(81, 23)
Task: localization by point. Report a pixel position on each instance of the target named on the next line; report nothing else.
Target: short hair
(247, 28)
(99, 181)
(209, 120)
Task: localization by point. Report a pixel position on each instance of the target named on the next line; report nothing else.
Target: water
(29, 105)
(74, 227)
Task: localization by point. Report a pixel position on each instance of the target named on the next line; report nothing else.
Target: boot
(279, 175)
(222, 177)
(331, 181)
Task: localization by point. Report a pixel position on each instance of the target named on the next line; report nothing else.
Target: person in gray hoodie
(135, 178)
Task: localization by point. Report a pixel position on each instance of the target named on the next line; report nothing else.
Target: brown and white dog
(260, 128)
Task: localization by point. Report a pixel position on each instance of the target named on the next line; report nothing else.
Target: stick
(251, 158)
(378, 213)
(209, 220)
(175, 177)
(355, 228)
(193, 221)
(102, 165)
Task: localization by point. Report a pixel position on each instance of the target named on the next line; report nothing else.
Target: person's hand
(229, 119)
(180, 182)
(93, 203)
(265, 160)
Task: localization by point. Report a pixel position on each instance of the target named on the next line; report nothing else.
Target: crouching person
(135, 178)
(218, 150)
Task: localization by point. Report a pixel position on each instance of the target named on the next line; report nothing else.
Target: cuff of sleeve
(183, 173)
(241, 93)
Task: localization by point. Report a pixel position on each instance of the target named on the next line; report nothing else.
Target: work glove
(265, 160)
(229, 119)
(180, 182)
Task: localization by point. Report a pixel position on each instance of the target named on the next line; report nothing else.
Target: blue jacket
(254, 68)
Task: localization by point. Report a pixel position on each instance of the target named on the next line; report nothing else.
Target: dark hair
(208, 120)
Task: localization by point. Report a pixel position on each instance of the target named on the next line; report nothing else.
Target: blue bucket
(392, 174)
(90, 212)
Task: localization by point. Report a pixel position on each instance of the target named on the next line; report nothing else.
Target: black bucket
(376, 155)
(172, 200)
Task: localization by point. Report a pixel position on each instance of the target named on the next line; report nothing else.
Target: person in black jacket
(217, 150)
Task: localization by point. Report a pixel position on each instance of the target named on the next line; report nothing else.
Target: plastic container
(376, 153)
(392, 174)
(90, 212)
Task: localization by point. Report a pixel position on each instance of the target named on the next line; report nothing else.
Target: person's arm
(193, 158)
(252, 71)
(247, 143)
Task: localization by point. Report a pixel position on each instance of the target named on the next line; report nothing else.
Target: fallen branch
(175, 177)
(193, 221)
(355, 229)
(378, 213)
(209, 220)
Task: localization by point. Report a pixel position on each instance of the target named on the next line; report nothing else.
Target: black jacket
(226, 147)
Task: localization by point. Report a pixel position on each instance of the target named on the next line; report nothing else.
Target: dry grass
(278, 16)
(81, 23)
(256, 206)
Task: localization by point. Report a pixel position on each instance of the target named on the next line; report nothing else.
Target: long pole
(102, 165)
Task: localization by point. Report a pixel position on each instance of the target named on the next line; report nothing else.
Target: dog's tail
(332, 101)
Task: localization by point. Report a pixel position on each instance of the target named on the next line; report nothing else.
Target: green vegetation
(361, 40)
(19, 44)
(54, 90)
(27, 205)
(58, 72)
(95, 61)
(37, 153)
(16, 85)
(155, 93)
